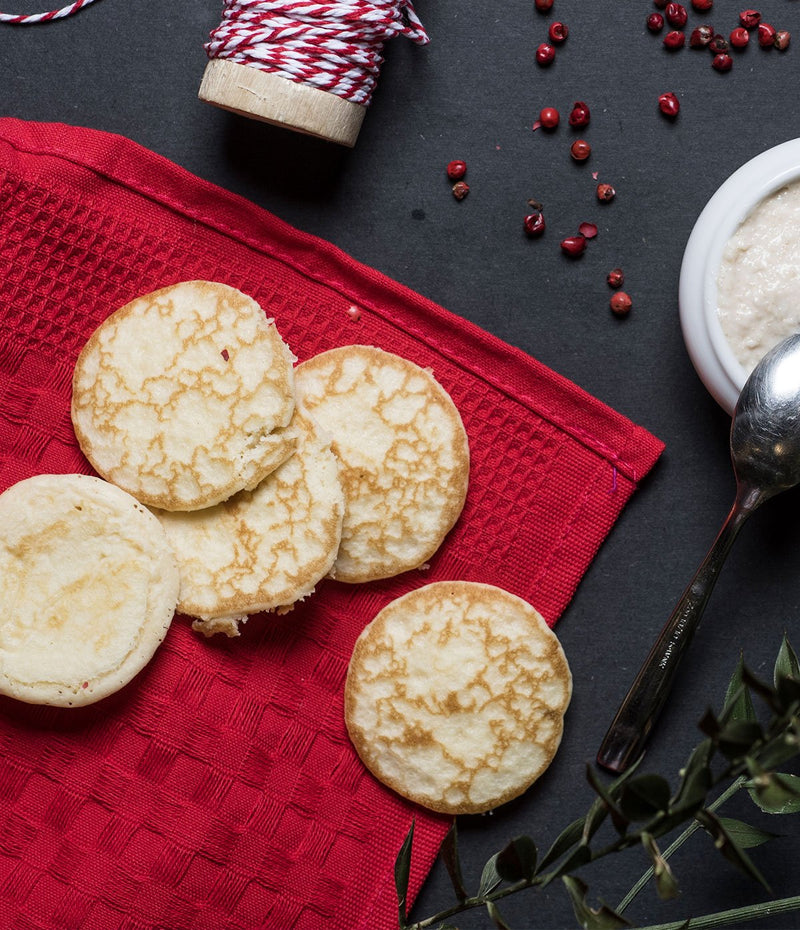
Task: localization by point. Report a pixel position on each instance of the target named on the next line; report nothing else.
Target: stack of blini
(231, 483)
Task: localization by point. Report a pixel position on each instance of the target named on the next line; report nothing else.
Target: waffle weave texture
(218, 791)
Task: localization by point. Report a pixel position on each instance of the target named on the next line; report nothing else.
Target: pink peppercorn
(621, 303)
(674, 39)
(669, 104)
(460, 190)
(766, 35)
(615, 278)
(558, 32)
(749, 18)
(702, 6)
(701, 37)
(580, 150)
(782, 39)
(605, 192)
(739, 37)
(545, 54)
(573, 245)
(676, 15)
(722, 62)
(580, 114)
(534, 224)
(655, 22)
(549, 117)
(456, 169)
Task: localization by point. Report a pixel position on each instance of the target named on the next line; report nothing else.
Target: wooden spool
(277, 100)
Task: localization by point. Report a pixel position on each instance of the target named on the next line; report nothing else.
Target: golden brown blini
(455, 696)
(404, 455)
(88, 587)
(182, 396)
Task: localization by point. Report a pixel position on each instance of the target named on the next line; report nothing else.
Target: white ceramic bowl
(708, 348)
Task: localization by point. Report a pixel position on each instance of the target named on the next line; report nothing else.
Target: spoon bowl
(765, 432)
(765, 453)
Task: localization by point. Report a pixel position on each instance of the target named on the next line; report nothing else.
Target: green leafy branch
(638, 810)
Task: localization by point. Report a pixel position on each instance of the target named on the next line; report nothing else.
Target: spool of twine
(309, 66)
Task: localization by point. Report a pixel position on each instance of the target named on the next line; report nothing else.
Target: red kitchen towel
(218, 791)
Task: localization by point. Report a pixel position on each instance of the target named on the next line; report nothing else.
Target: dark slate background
(134, 68)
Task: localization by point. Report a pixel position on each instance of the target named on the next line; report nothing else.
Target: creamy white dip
(758, 283)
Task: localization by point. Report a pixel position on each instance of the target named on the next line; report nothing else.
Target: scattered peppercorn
(579, 115)
(558, 32)
(766, 35)
(549, 118)
(718, 44)
(621, 303)
(674, 39)
(573, 245)
(588, 230)
(460, 190)
(701, 37)
(782, 39)
(676, 15)
(534, 224)
(615, 278)
(749, 18)
(545, 54)
(605, 192)
(722, 62)
(702, 6)
(739, 37)
(580, 150)
(456, 169)
(543, 5)
(655, 22)
(669, 104)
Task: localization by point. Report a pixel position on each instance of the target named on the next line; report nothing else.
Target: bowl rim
(709, 350)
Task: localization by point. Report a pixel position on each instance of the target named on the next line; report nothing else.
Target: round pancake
(403, 451)
(265, 549)
(455, 696)
(181, 396)
(88, 587)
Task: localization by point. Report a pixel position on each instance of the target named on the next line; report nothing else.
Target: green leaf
(729, 848)
(496, 916)
(696, 780)
(490, 877)
(738, 704)
(644, 796)
(763, 690)
(402, 871)
(774, 792)
(579, 856)
(565, 840)
(745, 835)
(666, 885)
(518, 860)
(619, 820)
(786, 664)
(788, 691)
(452, 862)
(737, 738)
(602, 918)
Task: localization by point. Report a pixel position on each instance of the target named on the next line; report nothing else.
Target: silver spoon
(765, 451)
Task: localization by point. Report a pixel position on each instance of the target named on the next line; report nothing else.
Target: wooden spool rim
(277, 100)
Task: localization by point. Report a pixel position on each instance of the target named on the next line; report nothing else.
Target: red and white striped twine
(29, 19)
(334, 46)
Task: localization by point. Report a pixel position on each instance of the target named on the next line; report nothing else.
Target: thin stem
(693, 827)
(732, 916)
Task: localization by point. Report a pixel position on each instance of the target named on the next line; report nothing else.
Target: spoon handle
(631, 726)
